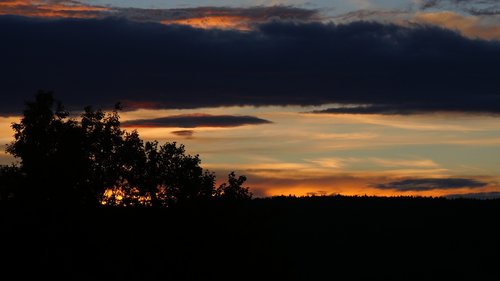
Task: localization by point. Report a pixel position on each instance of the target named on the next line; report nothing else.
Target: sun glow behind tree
(94, 161)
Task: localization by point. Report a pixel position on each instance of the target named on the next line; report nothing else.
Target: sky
(318, 97)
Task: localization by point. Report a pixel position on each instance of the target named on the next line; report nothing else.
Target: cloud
(487, 7)
(226, 17)
(183, 133)
(196, 120)
(431, 184)
(415, 108)
(474, 23)
(474, 26)
(102, 61)
(50, 9)
(415, 163)
(379, 15)
(199, 17)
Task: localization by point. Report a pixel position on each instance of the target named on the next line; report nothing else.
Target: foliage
(93, 161)
(233, 189)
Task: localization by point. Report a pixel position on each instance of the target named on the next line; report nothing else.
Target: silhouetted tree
(233, 190)
(94, 161)
(103, 142)
(178, 176)
(50, 148)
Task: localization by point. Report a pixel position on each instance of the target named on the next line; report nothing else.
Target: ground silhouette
(281, 238)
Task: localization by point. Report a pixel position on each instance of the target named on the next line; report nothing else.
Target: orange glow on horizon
(352, 189)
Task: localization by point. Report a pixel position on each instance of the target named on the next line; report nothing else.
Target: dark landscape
(281, 238)
(281, 140)
(165, 219)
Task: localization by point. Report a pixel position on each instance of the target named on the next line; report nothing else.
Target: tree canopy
(91, 160)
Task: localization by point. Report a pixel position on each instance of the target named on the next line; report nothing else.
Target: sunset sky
(376, 97)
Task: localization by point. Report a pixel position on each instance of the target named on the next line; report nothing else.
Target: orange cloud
(50, 9)
(200, 17)
(238, 18)
(220, 22)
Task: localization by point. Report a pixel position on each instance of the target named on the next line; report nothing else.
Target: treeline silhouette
(91, 161)
(279, 238)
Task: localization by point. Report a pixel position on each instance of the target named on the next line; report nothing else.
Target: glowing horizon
(301, 153)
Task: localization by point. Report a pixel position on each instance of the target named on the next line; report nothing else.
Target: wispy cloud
(377, 163)
(342, 136)
(418, 123)
(333, 163)
(416, 163)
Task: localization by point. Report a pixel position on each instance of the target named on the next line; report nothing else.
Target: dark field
(314, 238)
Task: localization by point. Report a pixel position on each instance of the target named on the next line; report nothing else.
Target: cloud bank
(199, 17)
(102, 61)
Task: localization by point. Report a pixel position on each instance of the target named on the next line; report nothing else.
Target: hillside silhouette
(90, 201)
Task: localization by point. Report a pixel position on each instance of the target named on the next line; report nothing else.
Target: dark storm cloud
(431, 184)
(100, 62)
(197, 120)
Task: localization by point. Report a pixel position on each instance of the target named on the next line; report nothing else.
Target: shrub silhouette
(93, 161)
